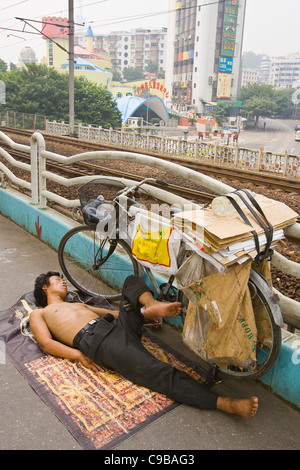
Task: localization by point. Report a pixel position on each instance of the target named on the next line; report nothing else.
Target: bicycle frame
(116, 238)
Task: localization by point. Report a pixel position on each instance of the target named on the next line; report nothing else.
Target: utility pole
(71, 66)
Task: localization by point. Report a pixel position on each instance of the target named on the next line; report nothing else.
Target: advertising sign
(152, 86)
(225, 65)
(231, 103)
(230, 25)
(224, 86)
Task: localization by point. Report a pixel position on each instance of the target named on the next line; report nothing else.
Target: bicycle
(98, 263)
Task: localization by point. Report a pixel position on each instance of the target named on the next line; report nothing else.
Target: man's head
(43, 282)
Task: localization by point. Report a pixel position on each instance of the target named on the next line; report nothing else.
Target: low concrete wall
(47, 225)
(284, 377)
(50, 226)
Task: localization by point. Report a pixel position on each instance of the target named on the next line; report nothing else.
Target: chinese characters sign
(225, 65)
(152, 86)
(224, 86)
(228, 47)
(230, 25)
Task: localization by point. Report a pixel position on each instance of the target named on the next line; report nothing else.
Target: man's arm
(50, 346)
(102, 311)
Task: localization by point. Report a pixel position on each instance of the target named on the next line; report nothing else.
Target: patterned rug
(99, 409)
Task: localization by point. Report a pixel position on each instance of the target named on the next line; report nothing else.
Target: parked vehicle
(234, 129)
(297, 136)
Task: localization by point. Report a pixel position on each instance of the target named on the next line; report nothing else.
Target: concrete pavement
(277, 136)
(27, 423)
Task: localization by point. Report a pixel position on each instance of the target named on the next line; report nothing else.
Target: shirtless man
(99, 337)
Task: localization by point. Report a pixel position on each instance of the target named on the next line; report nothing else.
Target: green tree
(161, 74)
(259, 100)
(3, 66)
(37, 90)
(152, 67)
(41, 90)
(284, 102)
(117, 76)
(94, 105)
(219, 113)
(131, 74)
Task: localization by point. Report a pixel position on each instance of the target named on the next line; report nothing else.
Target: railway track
(89, 169)
(211, 169)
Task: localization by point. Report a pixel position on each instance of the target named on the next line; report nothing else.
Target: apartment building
(285, 71)
(281, 72)
(133, 48)
(204, 53)
(249, 77)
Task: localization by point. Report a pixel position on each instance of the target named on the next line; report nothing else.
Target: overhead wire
(148, 15)
(110, 21)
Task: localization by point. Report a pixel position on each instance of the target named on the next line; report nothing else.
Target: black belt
(108, 317)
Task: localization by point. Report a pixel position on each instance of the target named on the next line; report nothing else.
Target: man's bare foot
(162, 309)
(245, 408)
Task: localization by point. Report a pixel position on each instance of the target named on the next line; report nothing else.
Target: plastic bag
(220, 324)
(155, 244)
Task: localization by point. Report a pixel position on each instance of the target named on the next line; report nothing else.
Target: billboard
(224, 86)
(229, 29)
(225, 65)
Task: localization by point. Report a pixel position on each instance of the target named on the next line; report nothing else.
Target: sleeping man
(99, 337)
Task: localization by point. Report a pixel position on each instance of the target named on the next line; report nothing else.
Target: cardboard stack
(228, 239)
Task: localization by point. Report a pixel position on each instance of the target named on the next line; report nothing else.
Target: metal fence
(284, 165)
(23, 120)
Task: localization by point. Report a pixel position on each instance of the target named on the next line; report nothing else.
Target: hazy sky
(272, 26)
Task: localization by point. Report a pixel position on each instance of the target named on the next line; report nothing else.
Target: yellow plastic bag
(155, 244)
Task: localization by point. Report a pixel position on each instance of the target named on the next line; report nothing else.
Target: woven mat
(99, 409)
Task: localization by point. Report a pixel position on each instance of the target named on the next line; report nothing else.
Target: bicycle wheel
(95, 265)
(268, 332)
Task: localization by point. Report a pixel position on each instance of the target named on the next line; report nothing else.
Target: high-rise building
(135, 48)
(264, 70)
(204, 45)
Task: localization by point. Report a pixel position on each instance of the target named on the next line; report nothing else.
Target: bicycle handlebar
(138, 185)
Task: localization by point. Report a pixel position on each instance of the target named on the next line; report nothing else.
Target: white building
(27, 56)
(264, 70)
(249, 77)
(204, 53)
(285, 71)
(133, 49)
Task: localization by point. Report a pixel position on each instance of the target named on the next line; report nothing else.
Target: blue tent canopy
(129, 105)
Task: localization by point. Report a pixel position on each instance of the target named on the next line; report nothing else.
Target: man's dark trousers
(116, 345)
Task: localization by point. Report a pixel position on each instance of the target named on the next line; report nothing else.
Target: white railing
(41, 195)
(283, 165)
(31, 168)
